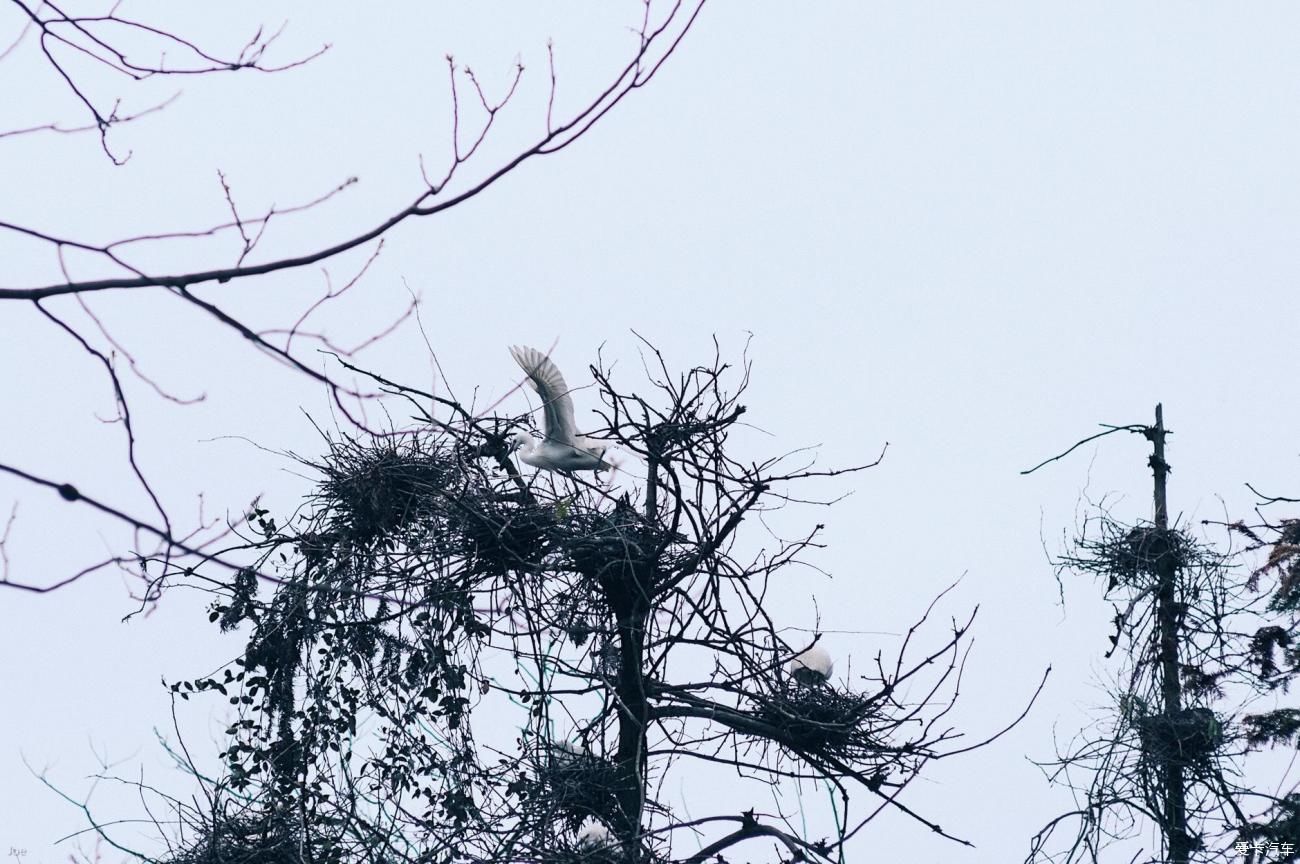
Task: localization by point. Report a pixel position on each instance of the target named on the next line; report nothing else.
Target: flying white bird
(563, 449)
(812, 666)
(594, 836)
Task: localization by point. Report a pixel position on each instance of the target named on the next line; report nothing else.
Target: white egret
(595, 836)
(563, 449)
(568, 752)
(811, 666)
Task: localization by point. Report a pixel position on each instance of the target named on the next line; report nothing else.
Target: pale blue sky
(971, 230)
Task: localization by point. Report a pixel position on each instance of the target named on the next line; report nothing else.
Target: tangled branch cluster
(1126, 760)
(427, 591)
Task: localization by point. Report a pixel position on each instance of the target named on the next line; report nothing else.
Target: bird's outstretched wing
(548, 381)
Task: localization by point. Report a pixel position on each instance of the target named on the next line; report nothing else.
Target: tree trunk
(1178, 841)
(633, 718)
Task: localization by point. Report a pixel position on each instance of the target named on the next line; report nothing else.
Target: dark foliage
(1264, 647)
(1273, 728)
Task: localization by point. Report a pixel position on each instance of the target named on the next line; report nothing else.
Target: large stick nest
(501, 533)
(1135, 555)
(418, 493)
(1189, 737)
(376, 487)
(577, 784)
(618, 550)
(570, 790)
(821, 720)
(253, 839)
(567, 851)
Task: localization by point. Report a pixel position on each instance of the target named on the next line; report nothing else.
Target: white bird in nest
(595, 836)
(568, 752)
(811, 666)
(563, 449)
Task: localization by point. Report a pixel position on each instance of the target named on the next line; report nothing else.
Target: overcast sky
(973, 231)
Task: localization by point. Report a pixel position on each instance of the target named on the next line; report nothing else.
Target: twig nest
(595, 837)
(1190, 737)
(1146, 548)
(246, 837)
(812, 666)
(577, 784)
(822, 720)
(378, 487)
